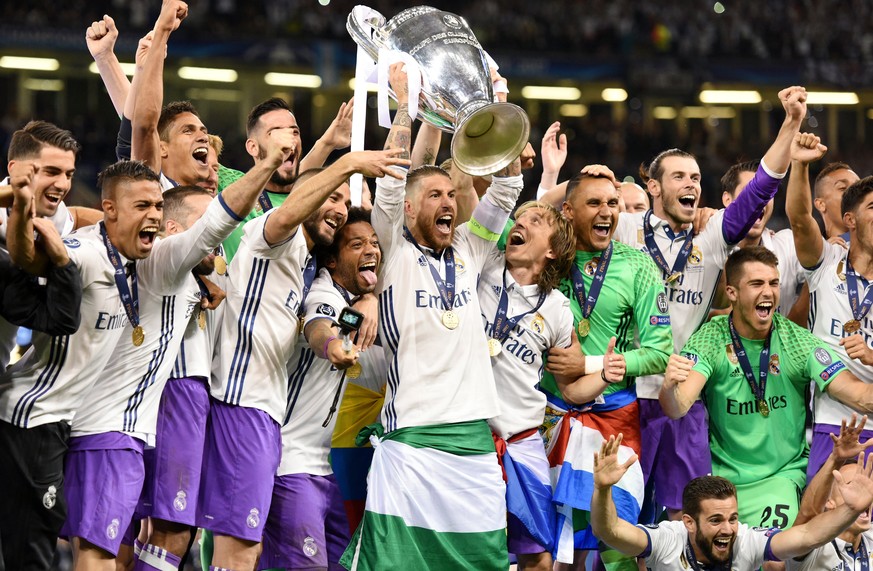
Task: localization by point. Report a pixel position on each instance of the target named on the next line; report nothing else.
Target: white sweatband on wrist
(593, 363)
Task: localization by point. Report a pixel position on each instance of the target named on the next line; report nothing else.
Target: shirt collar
(658, 223)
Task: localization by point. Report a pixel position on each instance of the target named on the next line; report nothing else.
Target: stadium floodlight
(574, 110)
(208, 74)
(614, 94)
(306, 80)
(729, 96)
(372, 87)
(831, 98)
(34, 84)
(128, 68)
(31, 63)
(552, 92)
(695, 112)
(664, 113)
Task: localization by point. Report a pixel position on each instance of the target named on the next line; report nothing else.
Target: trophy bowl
(457, 95)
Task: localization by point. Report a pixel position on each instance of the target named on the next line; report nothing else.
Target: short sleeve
(823, 364)
(257, 243)
(831, 255)
(323, 304)
(564, 332)
(84, 256)
(666, 542)
(703, 348)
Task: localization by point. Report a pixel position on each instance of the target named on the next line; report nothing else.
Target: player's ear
(653, 187)
(731, 292)
(689, 522)
(849, 219)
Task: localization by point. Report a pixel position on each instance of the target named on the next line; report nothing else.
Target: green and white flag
(435, 500)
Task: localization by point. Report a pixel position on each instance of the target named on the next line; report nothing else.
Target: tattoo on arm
(429, 156)
(512, 169)
(400, 136)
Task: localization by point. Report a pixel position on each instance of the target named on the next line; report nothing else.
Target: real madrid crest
(696, 257)
(591, 266)
(774, 364)
(538, 324)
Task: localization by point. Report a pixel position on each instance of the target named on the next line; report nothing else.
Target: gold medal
(220, 265)
(138, 336)
(201, 319)
(450, 319)
(583, 327)
(674, 277)
(852, 326)
(763, 408)
(354, 371)
(494, 347)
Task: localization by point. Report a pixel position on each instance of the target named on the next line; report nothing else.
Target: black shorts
(32, 482)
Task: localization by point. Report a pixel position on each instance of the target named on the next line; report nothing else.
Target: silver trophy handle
(362, 24)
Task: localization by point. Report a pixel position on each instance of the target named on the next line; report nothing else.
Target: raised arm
(325, 342)
(846, 446)
(805, 148)
(857, 497)
(148, 88)
(338, 136)
(100, 37)
(607, 526)
(19, 232)
(681, 387)
(427, 145)
(309, 197)
(749, 205)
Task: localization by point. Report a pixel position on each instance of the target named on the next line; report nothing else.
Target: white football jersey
(128, 392)
(312, 385)
(260, 326)
(436, 375)
(834, 555)
(667, 541)
(518, 367)
(829, 309)
(50, 381)
(690, 297)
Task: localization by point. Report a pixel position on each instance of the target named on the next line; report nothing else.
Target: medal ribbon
(503, 325)
(862, 553)
(658, 256)
(343, 292)
(129, 295)
(446, 287)
(759, 388)
(264, 201)
(587, 303)
(859, 311)
(204, 291)
(308, 278)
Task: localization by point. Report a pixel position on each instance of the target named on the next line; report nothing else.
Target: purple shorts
(173, 466)
(103, 480)
(822, 446)
(307, 527)
(519, 541)
(240, 458)
(674, 452)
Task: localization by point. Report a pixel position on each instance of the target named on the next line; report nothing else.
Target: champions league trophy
(457, 94)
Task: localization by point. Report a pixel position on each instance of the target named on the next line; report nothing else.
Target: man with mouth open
(711, 535)
(40, 394)
(839, 285)
(435, 497)
(751, 368)
(615, 295)
(307, 526)
(269, 281)
(674, 452)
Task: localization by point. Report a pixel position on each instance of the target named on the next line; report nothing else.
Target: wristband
(603, 377)
(326, 343)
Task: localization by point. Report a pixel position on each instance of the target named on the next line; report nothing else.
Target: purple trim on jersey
(648, 550)
(768, 551)
(748, 206)
(227, 208)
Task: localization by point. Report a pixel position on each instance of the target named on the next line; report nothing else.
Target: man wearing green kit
(751, 368)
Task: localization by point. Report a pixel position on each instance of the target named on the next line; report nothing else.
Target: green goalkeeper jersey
(746, 445)
(632, 304)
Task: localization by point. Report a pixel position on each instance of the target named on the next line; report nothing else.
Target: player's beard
(705, 545)
(315, 229)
